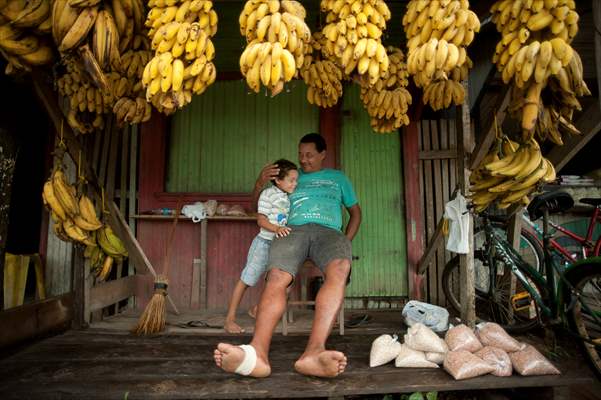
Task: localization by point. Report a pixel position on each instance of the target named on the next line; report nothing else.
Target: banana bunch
(442, 94)
(74, 218)
(110, 243)
(508, 174)
(354, 36)
(388, 100)
(438, 33)
(322, 76)
(182, 64)
(86, 103)
(23, 25)
(73, 20)
(132, 111)
(100, 263)
(536, 56)
(278, 39)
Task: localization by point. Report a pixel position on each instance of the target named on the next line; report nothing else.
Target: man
(315, 220)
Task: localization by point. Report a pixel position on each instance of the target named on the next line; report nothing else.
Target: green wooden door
(373, 164)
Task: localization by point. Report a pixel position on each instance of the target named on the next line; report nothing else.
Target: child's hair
(285, 166)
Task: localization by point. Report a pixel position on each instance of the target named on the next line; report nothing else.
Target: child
(271, 217)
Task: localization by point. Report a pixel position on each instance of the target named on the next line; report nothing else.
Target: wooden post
(466, 261)
(203, 264)
(596, 25)
(414, 219)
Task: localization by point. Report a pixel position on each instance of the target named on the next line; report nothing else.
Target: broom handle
(171, 238)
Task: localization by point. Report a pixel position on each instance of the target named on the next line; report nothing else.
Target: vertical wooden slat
(132, 196)
(444, 145)
(430, 222)
(106, 138)
(438, 201)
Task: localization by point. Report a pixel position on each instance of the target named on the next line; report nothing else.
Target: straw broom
(153, 318)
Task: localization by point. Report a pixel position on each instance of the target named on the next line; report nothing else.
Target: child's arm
(264, 223)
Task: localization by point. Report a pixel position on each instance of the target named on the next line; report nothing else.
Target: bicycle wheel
(586, 314)
(531, 249)
(495, 306)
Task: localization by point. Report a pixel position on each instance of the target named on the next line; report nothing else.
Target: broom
(152, 319)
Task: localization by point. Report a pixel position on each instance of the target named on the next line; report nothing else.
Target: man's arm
(354, 221)
(267, 173)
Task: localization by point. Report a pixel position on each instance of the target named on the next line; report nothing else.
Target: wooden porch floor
(106, 362)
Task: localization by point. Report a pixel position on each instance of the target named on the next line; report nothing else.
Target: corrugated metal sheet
(223, 138)
(373, 163)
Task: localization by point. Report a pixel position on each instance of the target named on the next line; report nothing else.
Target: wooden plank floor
(100, 363)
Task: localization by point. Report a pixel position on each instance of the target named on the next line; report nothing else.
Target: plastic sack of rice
(384, 349)
(420, 337)
(463, 365)
(409, 358)
(498, 358)
(462, 337)
(436, 358)
(530, 362)
(492, 334)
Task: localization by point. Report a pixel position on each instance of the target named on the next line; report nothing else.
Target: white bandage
(249, 362)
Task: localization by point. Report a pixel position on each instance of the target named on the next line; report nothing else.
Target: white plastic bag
(456, 212)
(436, 358)
(420, 337)
(409, 358)
(384, 349)
(434, 317)
(195, 211)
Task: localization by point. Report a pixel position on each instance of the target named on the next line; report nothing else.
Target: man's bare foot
(253, 311)
(232, 327)
(326, 364)
(228, 357)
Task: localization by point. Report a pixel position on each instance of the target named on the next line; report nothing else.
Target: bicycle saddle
(553, 202)
(592, 202)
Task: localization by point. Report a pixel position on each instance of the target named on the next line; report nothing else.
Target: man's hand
(268, 172)
(282, 231)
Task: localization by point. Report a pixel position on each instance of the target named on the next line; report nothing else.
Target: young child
(272, 217)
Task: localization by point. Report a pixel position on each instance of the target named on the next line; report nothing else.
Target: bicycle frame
(590, 247)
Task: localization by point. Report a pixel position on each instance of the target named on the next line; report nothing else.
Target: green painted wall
(220, 141)
(373, 163)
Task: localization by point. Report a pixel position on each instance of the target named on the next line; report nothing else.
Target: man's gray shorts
(313, 241)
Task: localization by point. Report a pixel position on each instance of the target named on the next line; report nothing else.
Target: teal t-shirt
(319, 198)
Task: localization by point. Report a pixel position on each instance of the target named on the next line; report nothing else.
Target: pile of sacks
(464, 353)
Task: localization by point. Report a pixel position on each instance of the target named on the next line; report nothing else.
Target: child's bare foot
(232, 327)
(326, 364)
(253, 311)
(228, 357)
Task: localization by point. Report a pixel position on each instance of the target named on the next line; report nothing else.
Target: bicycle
(519, 297)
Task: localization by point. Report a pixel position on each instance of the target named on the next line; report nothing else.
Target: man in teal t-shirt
(315, 220)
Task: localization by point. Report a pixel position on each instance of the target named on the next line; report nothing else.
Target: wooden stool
(308, 270)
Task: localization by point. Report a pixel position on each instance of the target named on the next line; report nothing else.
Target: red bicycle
(570, 246)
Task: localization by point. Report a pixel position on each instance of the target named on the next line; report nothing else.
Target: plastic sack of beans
(436, 358)
(498, 358)
(420, 337)
(409, 358)
(384, 349)
(463, 365)
(530, 362)
(462, 337)
(492, 334)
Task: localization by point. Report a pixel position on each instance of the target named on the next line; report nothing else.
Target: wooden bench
(307, 271)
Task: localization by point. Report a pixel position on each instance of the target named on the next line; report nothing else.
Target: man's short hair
(316, 139)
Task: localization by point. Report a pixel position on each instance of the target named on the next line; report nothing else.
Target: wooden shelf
(251, 217)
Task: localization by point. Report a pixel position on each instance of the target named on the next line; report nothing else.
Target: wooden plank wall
(437, 170)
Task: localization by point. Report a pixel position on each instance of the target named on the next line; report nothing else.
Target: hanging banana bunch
(536, 57)
(354, 36)
(182, 64)
(278, 40)
(24, 31)
(388, 100)
(438, 33)
(322, 76)
(509, 174)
